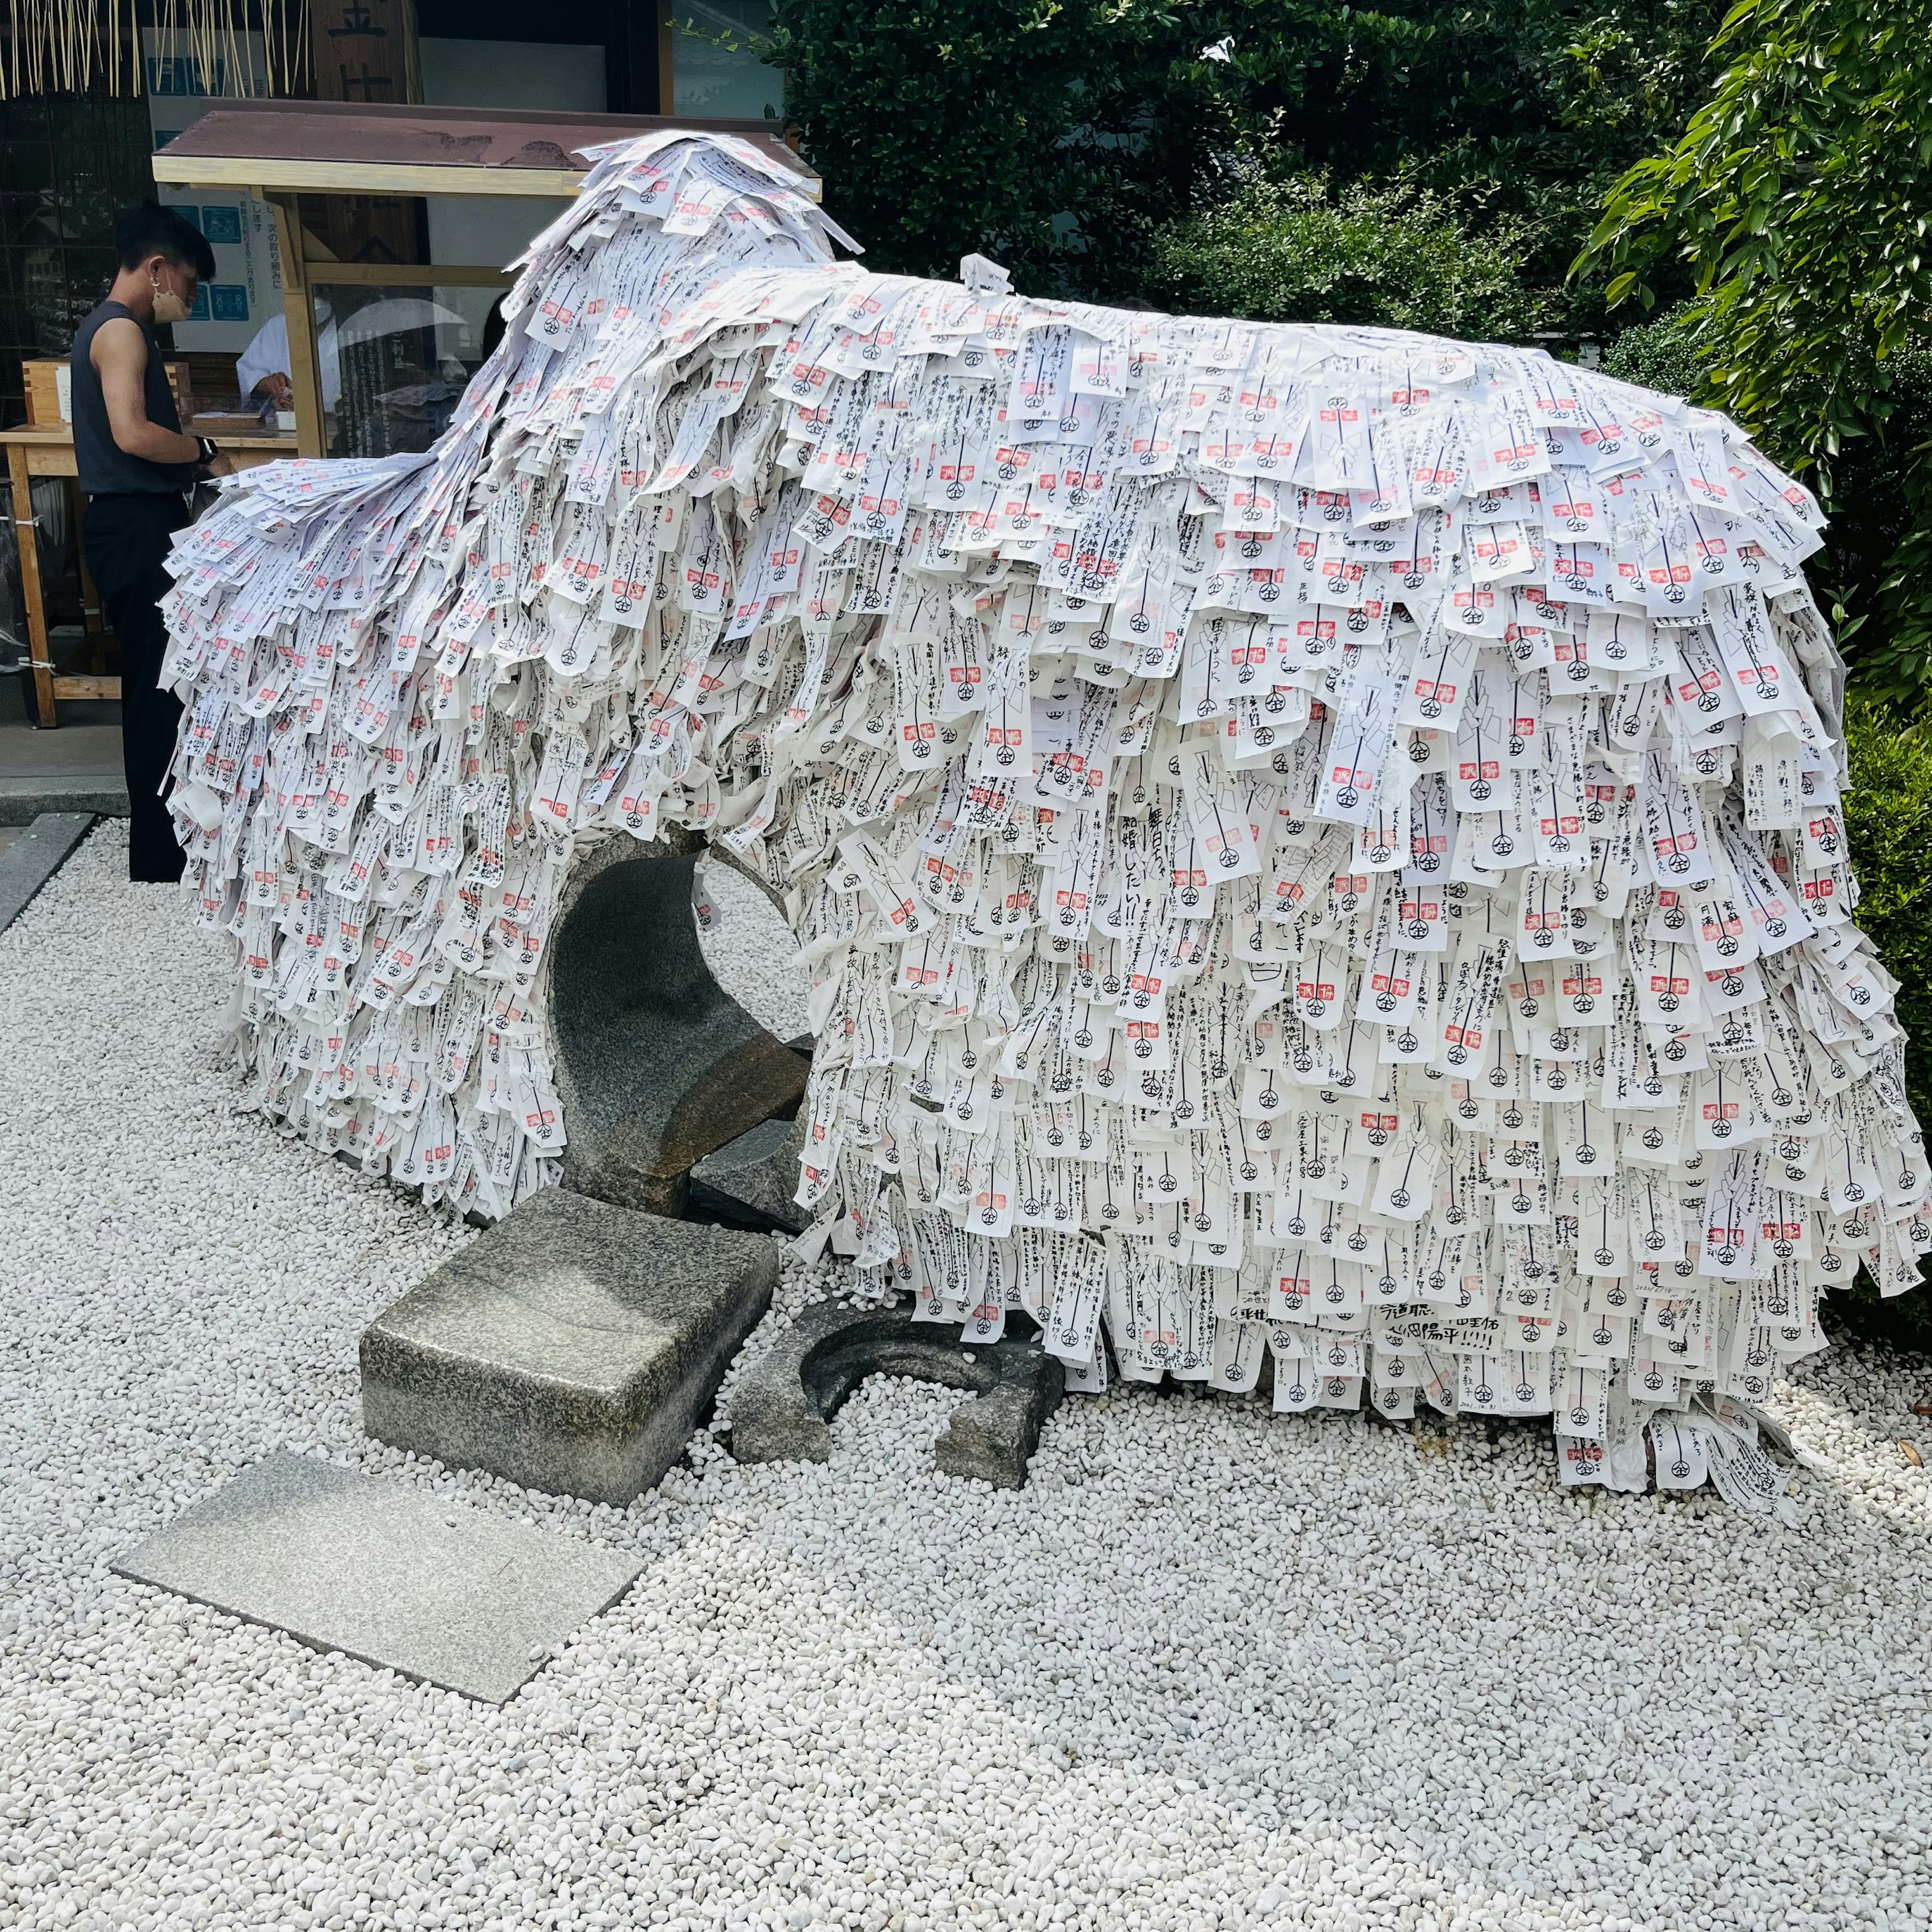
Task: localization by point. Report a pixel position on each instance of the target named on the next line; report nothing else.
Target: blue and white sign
(247, 288)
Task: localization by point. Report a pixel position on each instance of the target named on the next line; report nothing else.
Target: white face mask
(168, 306)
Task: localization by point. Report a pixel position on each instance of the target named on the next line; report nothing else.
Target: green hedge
(1888, 820)
(1394, 257)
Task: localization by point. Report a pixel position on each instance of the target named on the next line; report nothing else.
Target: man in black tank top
(136, 466)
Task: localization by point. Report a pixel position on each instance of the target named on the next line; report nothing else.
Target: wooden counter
(50, 452)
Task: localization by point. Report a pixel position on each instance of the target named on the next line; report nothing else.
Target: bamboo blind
(67, 46)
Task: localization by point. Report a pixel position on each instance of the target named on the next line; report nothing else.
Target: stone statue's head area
(1314, 850)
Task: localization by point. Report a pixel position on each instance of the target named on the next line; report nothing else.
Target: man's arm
(119, 351)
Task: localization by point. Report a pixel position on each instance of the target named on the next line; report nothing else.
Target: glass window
(395, 360)
(69, 164)
(715, 65)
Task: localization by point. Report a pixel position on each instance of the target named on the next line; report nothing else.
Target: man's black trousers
(126, 538)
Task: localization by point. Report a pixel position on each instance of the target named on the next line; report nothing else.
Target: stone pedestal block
(572, 1347)
(780, 1407)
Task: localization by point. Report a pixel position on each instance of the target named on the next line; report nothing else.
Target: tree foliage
(1061, 136)
(1797, 202)
(1539, 107)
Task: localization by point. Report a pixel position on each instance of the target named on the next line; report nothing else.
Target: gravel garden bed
(1212, 1668)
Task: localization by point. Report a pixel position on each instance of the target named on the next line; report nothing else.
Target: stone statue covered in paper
(1311, 847)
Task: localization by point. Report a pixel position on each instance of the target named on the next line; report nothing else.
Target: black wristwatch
(205, 444)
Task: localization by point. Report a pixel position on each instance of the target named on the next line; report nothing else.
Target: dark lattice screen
(69, 164)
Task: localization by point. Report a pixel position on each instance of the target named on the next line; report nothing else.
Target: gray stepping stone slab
(24, 799)
(781, 1406)
(35, 856)
(407, 1581)
(754, 1178)
(573, 1347)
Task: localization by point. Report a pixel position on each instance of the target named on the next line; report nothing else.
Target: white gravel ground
(750, 950)
(1210, 1669)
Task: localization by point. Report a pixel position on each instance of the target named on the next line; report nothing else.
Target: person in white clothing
(262, 367)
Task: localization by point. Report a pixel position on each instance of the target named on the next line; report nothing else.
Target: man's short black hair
(152, 230)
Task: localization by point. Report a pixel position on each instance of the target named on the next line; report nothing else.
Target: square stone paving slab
(401, 1579)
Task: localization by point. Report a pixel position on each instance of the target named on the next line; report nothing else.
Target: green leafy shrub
(1661, 354)
(1889, 820)
(1400, 256)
